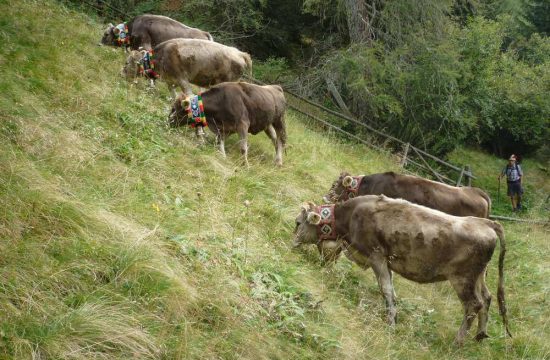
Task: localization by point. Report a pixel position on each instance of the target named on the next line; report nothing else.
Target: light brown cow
(239, 107)
(419, 243)
(182, 62)
(458, 201)
(147, 31)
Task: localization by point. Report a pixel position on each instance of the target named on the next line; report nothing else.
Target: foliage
(441, 89)
(266, 28)
(505, 95)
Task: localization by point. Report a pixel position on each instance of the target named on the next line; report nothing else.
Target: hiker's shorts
(514, 188)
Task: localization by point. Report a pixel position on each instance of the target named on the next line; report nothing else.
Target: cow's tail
(488, 199)
(283, 132)
(210, 37)
(500, 292)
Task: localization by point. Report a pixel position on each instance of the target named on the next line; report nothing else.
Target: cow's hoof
(480, 336)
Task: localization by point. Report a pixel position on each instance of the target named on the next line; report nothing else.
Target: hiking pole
(498, 192)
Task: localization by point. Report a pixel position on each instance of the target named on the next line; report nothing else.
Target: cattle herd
(423, 230)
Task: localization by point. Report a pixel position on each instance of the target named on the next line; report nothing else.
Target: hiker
(514, 175)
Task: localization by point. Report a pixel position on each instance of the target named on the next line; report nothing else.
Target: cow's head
(338, 188)
(109, 36)
(179, 115)
(130, 70)
(306, 225)
(306, 232)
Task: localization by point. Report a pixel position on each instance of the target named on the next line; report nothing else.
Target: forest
(435, 73)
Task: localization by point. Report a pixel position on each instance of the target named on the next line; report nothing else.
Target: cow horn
(185, 103)
(313, 218)
(347, 181)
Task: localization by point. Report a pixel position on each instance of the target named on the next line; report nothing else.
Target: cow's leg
(270, 132)
(392, 287)
(172, 89)
(280, 131)
(185, 87)
(221, 143)
(483, 315)
(471, 300)
(199, 133)
(383, 275)
(243, 131)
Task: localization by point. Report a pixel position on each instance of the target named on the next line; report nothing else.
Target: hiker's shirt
(513, 173)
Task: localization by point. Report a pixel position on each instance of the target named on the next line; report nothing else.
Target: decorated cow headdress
(195, 110)
(122, 37)
(323, 217)
(351, 186)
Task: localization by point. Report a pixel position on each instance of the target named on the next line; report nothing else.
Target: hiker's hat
(512, 157)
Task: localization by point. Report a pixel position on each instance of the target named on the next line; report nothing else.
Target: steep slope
(107, 251)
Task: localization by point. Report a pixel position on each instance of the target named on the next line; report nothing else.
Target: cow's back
(449, 199)
(201, 62)
(232, 102)
(156, 29)
(265, 104)
(423, 244)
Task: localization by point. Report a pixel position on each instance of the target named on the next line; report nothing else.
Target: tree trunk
(358, 21)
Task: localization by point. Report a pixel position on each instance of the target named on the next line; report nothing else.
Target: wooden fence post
(468, 174)
(334, 91)
(405, 153)
(460, 177)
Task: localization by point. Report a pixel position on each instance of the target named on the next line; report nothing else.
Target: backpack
(506, 169)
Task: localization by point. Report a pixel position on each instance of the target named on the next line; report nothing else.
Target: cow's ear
(304, 207)
(313, 218)
(116, 30)
(347, 181)
(185, 103)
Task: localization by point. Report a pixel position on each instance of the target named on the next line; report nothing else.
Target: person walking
(514, 176)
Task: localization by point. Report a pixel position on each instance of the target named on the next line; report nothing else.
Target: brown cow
(421, 244)
(458, 201)
(239, 107)
(182, 62)
(148, 31)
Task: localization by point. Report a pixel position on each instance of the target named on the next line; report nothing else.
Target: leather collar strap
(351, 191)
(326, 229)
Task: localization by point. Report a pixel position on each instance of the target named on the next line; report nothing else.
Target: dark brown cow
(148, 31)
(182, 62)
(239, 107)
(458, 201)
(419, 243)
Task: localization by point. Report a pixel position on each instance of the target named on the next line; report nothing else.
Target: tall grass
(101, 254)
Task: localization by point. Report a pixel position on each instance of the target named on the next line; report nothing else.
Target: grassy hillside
(107, 251)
